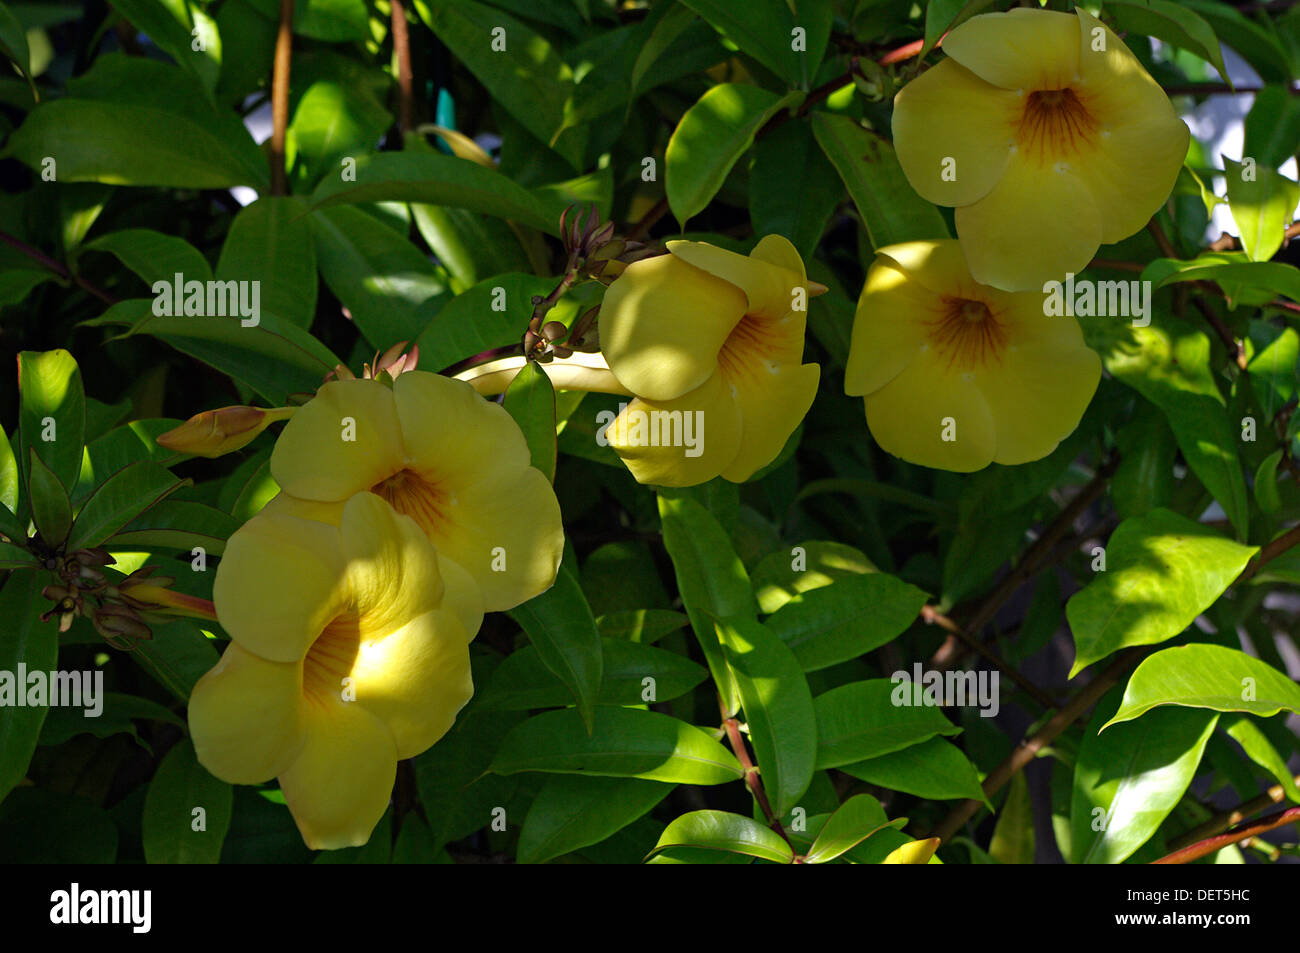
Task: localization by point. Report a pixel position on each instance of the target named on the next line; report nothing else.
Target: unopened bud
(217, 432)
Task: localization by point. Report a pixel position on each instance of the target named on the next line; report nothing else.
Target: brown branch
(1029, 748)
(1221, 822)
(1271, 551)
(280, 98)
(402, 49)
(1236, 352)
(931, 616)
(1240, 833)
(752, 780)
(45, 261)
(1226, 242)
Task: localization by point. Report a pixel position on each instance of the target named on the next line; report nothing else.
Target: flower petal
(416, 679)
(278, 585)
(908, 417)
(773, 399)
(716, 435)
(978, 121)
(496, 509)
(391, 568)
(1037, 397)
(1142, 142)
(339, 786)
(1034, 227)
(246, 717)
(461, 596)
(662, 324)
(764, 277)
(1019, 49)
(312, 459)
(938, 266)
(888, 328)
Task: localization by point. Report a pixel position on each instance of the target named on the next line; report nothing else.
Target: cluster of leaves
(690, 634)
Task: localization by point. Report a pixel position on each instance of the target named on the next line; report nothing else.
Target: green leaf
(624, 743)
(1265, 485)
(52, 413)
(710, 138)
(1240, 278)
(526, 77)
(711, 579)
(778, 708)
(722, 831)
(934, 769)
(1162, 571)
(791, 154)
(13, 43)
(560, 625)
(494, 313)
(1173, 23)
(942, 16)
(57, 827)
(270, 242)
(275, 358)
(522, 681)
(178, 524)
(1272, 127)
(335, 117)
(15, 557)
(1262, 202)
(1273, 370)
(177, 656)
(571, 812)
(51, 508)
(1260, 750)
(391, 290)
(1128, 779)
(186, 812)
(115, 715)
(670, 26)
(152, 255)
(121, 447)
(120, 499)
(434, 179)
(530, 399)
(34, 644)
(1013, 837)
(640, 625)
(780, 576)
(846, 619)
(1202, 675)
(891, 211)
(763, 29)
(853, 822)
(871, 718)
(175, 26)
(334, 21)
(1171, 368)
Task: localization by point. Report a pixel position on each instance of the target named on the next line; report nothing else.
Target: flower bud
(217, 432)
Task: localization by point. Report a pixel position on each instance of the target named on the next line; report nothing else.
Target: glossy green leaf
(571, 812)
(52, 412)
(1203, 675)
(846, 619)
(1238, 276)
(177, 656)
(494, 313)
(1259, 749)
(333, 21)
(177, 27)
(120, 499)
(1265, 485)
(722, 831)
(891, 211)
(1272, 127)
(15, 557)
(179, 524)
(31, 643)
(791, 154)
(51, 508)
(530, 400)
(152, 255)
(522, 681)
(1262, 203)
(13, 42)
(853, 822)
(709, 140)
(270, 242)
(625, 743)
(871, 718)
(186, 812)
(640, 625)
(711, 579)
(1128, 779)
(112, 713)
(1171, 22)
(764, 29)
(1162, 571)
(781, 576)
(934, 769)
(1013, 837)
(560, 625)
(778, 708)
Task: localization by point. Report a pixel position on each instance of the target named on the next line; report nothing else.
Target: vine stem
(402, 50)
(45, 261)
(752, 780)
(1221, 822)
(280, 98)
(1237, 834)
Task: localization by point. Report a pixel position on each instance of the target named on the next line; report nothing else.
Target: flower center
(967, 333)
(1055, 123)
(411, 494)
(755, 342)
(331, 658)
